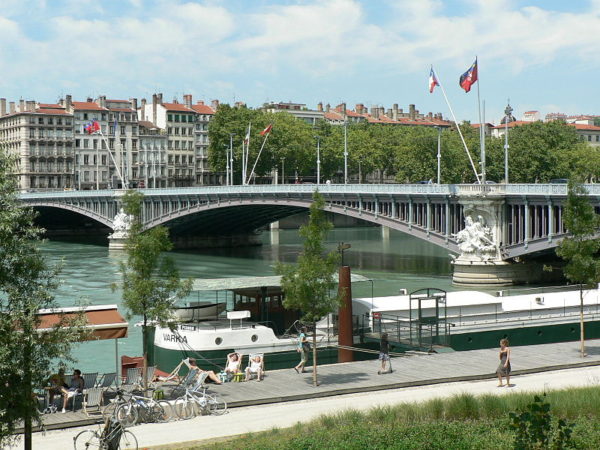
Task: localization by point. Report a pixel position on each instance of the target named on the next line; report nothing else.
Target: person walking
(303, 348)
(503, 369)
(384, 353)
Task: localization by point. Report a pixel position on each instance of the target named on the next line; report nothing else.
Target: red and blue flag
(469, 78)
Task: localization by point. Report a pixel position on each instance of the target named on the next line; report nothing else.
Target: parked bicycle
(135, 408)
(193, 403)
(112, 437)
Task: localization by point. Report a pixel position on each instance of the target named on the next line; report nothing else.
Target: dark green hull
(543, 334)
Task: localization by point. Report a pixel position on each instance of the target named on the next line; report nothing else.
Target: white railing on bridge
(422, 189)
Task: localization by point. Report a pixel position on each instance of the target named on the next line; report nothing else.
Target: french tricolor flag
(433, 82)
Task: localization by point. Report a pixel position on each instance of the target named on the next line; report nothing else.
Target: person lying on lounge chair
(233, 366)
(210, 373)
(255, 366)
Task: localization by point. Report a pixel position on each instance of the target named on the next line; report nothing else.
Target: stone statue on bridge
(121, 225)
(475, 241)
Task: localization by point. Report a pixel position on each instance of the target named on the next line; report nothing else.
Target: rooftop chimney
(12, 107)
(359, 108)
(102, 101)
(375, 112)
(214, 104)
(154, 105)
(133, 102)
(30, 106)
(395, 111)
(143, 109)
(187, 99)
(200, 102)
(327, 107)
(159, 98)
(21, 105)
(411, 111)
(2, 106)
(320, 106)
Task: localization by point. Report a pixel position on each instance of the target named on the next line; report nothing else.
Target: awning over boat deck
(104, 321)
(230, 284)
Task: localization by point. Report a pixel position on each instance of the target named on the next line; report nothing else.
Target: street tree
(309, 285)
(27, 284)
(150, 279)
(580, 249)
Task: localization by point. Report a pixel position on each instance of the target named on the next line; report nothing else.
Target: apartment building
(179, 121)
(204, 113)
(152, 160)
(41, 137)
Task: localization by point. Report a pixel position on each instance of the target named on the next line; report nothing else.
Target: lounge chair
(232, 368)
(132, 380)
(106, 381)
(89, 381)
(255, 367)
(92, 398)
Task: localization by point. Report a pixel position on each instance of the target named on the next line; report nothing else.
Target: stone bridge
(484, 225)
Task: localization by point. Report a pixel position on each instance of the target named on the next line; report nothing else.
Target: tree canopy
(309, 285)
(27, 284)
(538, 151)
(151, 282)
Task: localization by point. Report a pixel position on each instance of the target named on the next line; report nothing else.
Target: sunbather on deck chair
(255, 366)
(234, 364)
(210, 373)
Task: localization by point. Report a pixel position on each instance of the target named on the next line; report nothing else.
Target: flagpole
(256, 162)
(481, 138)
(459, 131)
(112, 157)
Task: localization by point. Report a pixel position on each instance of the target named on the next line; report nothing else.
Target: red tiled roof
(203, 109)
(50, 106)
(581, 126)
(516, 123)
(88, 106)
(530, 112)
(331, 115)
(117, 101)
(51, 111)
(477, 125)
(177, 107)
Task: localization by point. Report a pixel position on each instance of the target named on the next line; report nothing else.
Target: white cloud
(194, 42)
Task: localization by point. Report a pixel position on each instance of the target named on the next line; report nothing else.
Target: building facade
(40, 136)
(152, 160)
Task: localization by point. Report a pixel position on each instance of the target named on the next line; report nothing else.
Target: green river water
(393, 260)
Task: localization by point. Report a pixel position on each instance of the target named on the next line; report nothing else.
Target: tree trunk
(581, 322)
(27, 419)
(145, 353)
(315, 384)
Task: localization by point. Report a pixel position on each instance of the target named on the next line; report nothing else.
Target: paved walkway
(264, 417)
(361, 377)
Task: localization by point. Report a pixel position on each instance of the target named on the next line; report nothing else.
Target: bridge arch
(248, 215)
(73, 208)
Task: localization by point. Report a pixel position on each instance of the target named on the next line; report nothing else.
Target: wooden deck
(414, 370)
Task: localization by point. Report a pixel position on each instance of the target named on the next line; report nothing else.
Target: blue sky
(542, 54)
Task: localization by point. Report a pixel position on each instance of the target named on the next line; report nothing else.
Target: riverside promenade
(464, 370)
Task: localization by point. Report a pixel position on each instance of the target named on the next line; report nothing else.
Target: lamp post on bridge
(439, 155)
(345, 150)
(226, 165)
(283, 170)
(231, 135)
(318, 159)
(507, 114)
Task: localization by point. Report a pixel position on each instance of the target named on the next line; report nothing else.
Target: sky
(542, 54)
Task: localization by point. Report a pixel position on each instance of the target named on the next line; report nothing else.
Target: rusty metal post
(345, 315)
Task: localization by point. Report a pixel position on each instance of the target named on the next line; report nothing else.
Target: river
(392, 259)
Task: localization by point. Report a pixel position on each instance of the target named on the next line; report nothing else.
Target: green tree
(151, 282)
(580, 248)
(308, 286)
(27, 283)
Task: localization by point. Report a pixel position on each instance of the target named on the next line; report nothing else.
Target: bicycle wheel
(128, 441)
(167, 411)
(183, 408)
(87, 439)
(127, 414)
(215, 405)
(155, 413)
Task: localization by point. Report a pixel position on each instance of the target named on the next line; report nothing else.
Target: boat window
(218, 341)
(254, 338)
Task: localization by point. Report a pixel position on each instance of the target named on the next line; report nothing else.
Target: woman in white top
(233, 364)
(255, 365)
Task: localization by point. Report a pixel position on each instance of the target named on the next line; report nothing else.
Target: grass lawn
(461, 422)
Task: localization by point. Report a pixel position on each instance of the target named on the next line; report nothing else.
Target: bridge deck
(414, 370)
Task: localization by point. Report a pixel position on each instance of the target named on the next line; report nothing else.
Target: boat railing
(497, 316)
(425, 332)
